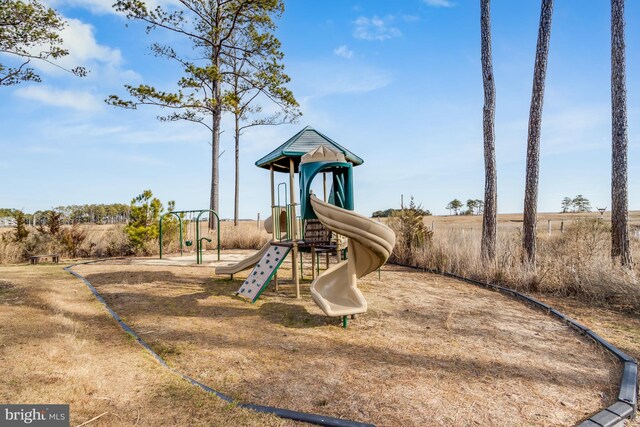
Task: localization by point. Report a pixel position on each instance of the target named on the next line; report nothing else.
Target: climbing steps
(262, 272)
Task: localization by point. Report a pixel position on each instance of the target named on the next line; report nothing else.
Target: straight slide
(245, 264)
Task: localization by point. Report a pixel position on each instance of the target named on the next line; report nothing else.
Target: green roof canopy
(298, 145)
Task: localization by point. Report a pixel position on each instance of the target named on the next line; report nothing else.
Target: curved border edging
(280, 412)
(625, 407)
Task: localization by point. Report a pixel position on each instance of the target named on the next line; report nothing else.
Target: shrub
(72, 238)
(143, 226)
(20, 233)
(411, 233)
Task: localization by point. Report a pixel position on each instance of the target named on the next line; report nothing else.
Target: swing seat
(188, 242)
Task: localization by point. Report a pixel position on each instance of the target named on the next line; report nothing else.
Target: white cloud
(104, 63)
(80, 40)
(375, 28)
(343, 51)
(439, 3)
(77, 100)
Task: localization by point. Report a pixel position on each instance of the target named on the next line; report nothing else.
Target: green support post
(160, 230)
(198, 239)
(344, 322)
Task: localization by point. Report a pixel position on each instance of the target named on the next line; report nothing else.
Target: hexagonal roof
(300, 144)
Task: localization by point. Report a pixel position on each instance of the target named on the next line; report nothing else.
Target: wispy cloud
(439, 3)
(42, 149)
(346, 78)
(76, 100)
(343, 51)
(375, 28)
(410, 18)
(145, 160)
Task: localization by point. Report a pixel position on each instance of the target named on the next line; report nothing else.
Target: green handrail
(199, 252)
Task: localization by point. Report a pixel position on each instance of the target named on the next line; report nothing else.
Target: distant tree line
(474, 207)
(114, 213)
(577, 204)
(61, 229)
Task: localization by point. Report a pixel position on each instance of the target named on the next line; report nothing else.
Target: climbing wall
(263, 272)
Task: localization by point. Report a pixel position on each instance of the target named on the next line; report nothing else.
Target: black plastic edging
(627, 403)
(280, 412)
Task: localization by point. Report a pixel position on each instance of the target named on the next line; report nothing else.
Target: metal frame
(198, 239)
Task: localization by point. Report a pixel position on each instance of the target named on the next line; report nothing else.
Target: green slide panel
(263, 272)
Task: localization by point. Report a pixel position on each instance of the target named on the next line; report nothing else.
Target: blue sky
(398, 83)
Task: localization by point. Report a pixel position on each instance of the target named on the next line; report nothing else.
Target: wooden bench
(36, 258)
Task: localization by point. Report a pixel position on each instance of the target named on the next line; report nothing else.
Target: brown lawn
(59, 345)
(430, 350)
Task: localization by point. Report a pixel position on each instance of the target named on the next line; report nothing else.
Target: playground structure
(196, 222)
(310, 153)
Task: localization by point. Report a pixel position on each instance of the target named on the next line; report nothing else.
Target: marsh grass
(104, 241)
(574, 263)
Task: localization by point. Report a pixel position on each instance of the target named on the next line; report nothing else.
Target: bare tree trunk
(533, 140)
(236, 205)
(620, 250)
(488, 245)
(215, 154)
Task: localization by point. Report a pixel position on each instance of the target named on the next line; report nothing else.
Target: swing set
(192, 224)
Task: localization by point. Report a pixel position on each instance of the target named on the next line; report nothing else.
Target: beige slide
(248, 262)
(245, 264)
(370, 245)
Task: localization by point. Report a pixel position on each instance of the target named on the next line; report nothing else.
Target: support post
(273, 218)
(324, 185)
(294, 228)
(313, 263)
(549, 227)
(273, 206)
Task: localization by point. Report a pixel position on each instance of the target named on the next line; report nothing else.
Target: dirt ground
(430, 350)
(59, 345)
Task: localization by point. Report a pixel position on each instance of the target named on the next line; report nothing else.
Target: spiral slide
(370, 245)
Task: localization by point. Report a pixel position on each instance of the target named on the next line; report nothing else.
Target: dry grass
(514, 221)
(573, 263)
(111, 241)
(58, 345)
(247, 235)
(99, 241)
(429, 350)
